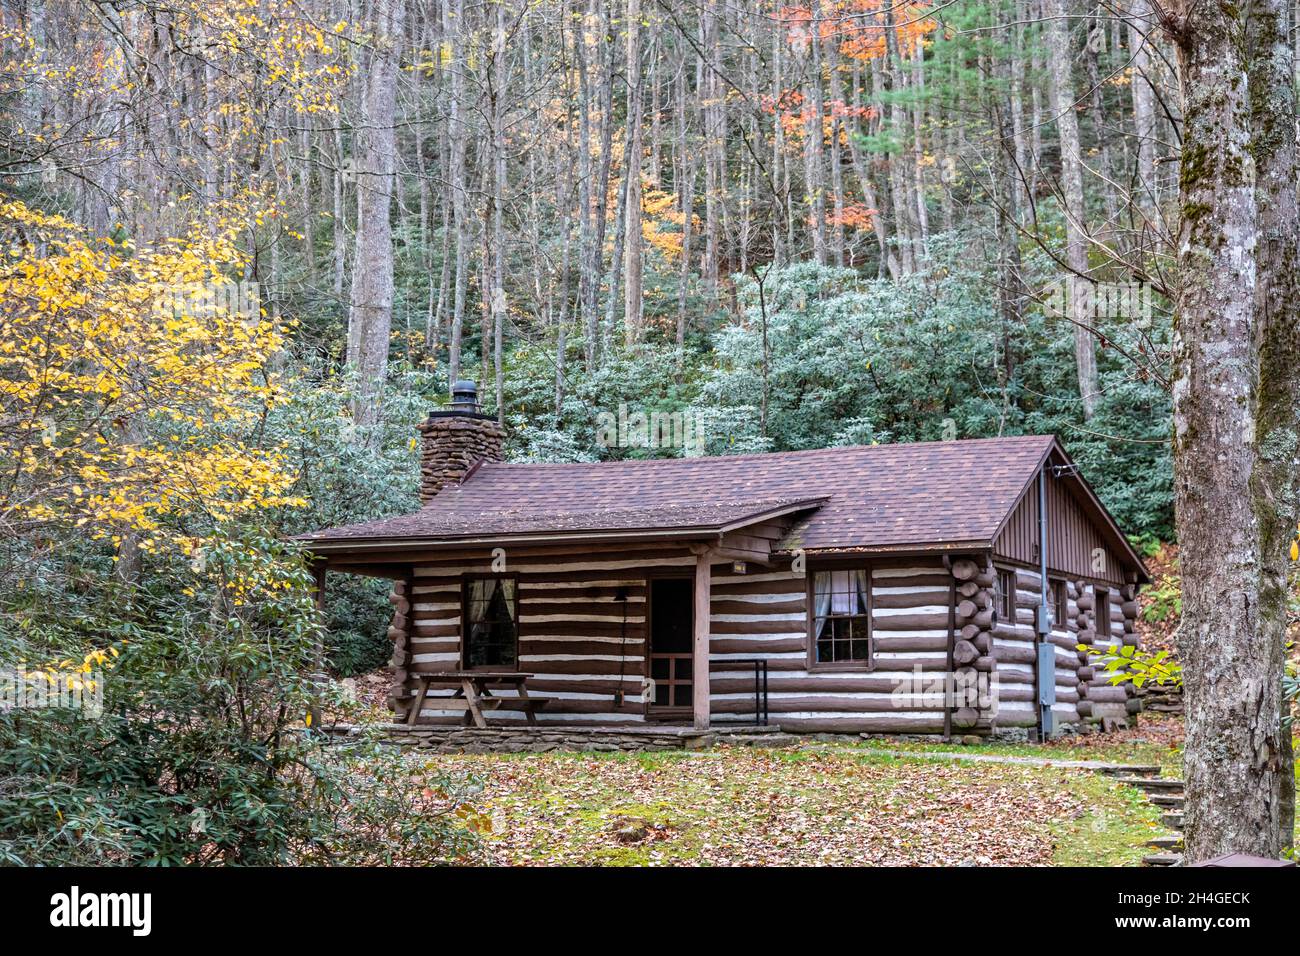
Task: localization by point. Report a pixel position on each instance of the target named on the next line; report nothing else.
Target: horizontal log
(1106, 693)
(964, 569)
(1015, 653)
(963, 652)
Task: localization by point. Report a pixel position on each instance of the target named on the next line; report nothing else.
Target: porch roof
(431, 526)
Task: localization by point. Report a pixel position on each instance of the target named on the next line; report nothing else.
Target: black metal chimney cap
(464, 402)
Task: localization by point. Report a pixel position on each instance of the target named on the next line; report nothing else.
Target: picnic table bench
(474, 694)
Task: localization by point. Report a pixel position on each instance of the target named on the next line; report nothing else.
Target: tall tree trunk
(1229, 638)
(1276, 488)
(1144, 111)
(1076, 240)
(454, 25)
(813, 164)
(632, 263)
(371, 313)
(499, 84)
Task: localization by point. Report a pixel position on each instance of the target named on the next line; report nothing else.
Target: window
(1006, 596)
(841, 618)
(490, 627)
(1102, 625)
(1060, 605)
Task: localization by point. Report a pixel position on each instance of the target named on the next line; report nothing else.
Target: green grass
(1114, 833)
(1152, 754)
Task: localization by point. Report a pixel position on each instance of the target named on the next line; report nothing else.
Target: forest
(249, 244)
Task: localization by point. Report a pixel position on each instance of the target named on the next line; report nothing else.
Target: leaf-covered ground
(809, 806)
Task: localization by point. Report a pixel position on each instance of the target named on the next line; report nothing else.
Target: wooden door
(671, 630)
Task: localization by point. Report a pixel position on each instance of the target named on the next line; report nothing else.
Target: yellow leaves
(1295, 550)
(99, 353)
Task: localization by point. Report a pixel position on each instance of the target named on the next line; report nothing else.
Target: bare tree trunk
(710, 88)
(632, 300)
(371, 313)
(1093, 47)
(1277, 317)
(1144, 111)
(686, 186)
(454, 25)
(1229, 638)
(813, 164)
(498, 85)
(1076, 240)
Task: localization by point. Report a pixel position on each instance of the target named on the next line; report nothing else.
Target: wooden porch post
(318, 653)
(700, 663)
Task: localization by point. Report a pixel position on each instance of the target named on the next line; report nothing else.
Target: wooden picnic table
(474, 694)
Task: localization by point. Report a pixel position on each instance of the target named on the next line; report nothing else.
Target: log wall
(571, 637)
(764, 615)
(571, 629)
(1083, 693)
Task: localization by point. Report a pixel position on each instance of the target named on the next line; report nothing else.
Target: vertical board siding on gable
(764, 615)
(571, 629)
(1074, 545)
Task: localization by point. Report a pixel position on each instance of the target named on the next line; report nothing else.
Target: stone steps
(1167, 794)
(1151, 783)
(1130, 770)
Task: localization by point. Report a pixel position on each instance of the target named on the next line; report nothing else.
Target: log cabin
(933, 587)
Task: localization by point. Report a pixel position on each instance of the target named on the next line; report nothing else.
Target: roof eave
(342, 545)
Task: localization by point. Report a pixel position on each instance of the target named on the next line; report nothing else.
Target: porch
(636, 633)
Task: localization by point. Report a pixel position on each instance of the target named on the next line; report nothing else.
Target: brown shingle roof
(434, 523)
(879, 496)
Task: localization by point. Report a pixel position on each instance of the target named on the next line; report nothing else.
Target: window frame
(810, 613)
(1060, 603)
(1101, 625)
(465, 581)
(1002, 595)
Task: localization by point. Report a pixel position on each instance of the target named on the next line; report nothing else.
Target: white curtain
(821, 600)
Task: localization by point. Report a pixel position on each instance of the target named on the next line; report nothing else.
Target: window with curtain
(491, 622)
(841, 617)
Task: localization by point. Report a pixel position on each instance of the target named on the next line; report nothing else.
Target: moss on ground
(801, 806)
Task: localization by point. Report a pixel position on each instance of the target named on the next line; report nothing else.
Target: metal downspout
(1046, 657)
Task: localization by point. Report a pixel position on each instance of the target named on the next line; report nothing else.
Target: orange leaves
(794, 115)
(860, 27)
(853, 216)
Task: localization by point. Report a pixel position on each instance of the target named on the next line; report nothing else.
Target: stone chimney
(457, 440)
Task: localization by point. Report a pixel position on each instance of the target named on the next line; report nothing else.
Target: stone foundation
(449, 740)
